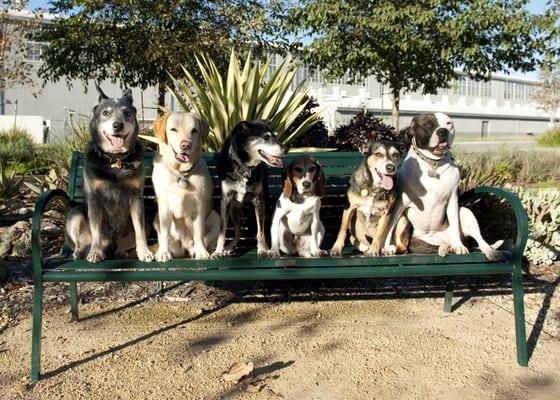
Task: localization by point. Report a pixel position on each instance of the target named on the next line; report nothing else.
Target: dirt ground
(306, 340)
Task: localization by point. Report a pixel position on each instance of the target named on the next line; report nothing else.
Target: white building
(501, 106)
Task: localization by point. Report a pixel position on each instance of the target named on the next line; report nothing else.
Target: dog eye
(298, 170)
(194, 131)
(173, 129)
(106, 113)
(379, 154)
(127, 113)
(311, 170)
(267, 137)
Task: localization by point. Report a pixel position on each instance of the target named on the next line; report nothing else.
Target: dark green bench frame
(337, 167)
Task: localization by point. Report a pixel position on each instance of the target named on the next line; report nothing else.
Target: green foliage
(140, 42)
(9, 185)
(243, 94)
(16, 145)
(317, 136)
(362, 129)
(411, 45)
(551, 138)
(51, 181)
(498, 168)
(543, 210)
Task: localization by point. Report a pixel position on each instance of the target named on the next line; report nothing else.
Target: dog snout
(284, 148)
(390, 168)
(306, 184)
(118, 126)
(443, 133)
(186, 145)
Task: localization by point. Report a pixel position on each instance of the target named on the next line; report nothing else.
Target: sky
(535, 6)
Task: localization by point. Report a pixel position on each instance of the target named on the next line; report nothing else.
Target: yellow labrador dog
(186, 223)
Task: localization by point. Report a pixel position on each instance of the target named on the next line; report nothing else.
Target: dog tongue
(116, 141)
(182, 158)
(386, 182)
(277, 161)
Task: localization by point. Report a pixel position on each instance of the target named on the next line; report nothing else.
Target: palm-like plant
(244, 94)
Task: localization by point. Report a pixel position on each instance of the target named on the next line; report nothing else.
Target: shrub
(16, 145)
(363, 128)
(317, 135)
(243, 94)
(550, 138)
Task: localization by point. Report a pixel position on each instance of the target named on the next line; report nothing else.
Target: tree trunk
(396, 105)
(161, 97)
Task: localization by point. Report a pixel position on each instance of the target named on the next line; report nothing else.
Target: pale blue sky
(535, 6)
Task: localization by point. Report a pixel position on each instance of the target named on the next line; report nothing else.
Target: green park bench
(338, 166)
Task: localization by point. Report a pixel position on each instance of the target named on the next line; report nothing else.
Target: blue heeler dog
(113, 185)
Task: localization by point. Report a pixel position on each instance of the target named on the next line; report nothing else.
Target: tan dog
(185, 222)
(371, 195)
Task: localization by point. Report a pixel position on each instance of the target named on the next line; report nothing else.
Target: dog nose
(306, 185)
(284, 148)
(442, 133)
(185, 145)
(390, 168)
(118, 126)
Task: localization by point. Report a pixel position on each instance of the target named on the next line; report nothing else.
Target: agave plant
(244, 94)
(9, 185)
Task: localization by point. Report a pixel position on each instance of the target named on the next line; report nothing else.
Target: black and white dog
(241, 171)
(113, 185)
(428, 182)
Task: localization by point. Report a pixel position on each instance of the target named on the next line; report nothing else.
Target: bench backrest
(337, 166)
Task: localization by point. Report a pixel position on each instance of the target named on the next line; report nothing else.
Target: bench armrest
(521, 220)
(40, 208)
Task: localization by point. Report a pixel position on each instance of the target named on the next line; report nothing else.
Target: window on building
(520, 91)
(35, 51)
(465, 86)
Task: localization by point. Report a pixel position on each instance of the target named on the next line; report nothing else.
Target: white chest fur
(239, 187)
(426, 195)
(299, 216)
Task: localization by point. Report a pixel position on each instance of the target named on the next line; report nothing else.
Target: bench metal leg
(519, 313)
(74, 302)
(36, 332)
(448, 299)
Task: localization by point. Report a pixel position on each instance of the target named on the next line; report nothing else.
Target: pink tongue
(278, 162)
(116, 141)
(182, 158)
(386, 182)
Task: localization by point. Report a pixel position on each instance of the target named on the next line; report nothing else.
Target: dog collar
(376, 194)
(119, 161)
(434, 164)
(182, 179)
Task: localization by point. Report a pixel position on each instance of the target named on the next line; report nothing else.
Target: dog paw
(336, 251)
(460, 249)
(95, 256)
(494, 255)
(390, 250)
(275, 254)
(263, 253)
(444, 250)
(220, 254)
(372, 252)
(163, 256)
(202, 254)
(77, 255)
(319, 253)
(145, 255)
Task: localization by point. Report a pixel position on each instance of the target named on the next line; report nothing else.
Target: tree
(415, 45)
(142, 42)
(547, 95)
(15, 70)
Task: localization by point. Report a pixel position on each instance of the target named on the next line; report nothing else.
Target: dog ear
(320, 182)
(159, 127)
(287, 185)
(101, 96)
(127, 95)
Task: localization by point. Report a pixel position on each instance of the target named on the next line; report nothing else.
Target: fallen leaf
(237, 371)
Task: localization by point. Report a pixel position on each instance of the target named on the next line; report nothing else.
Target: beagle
(296, 226)
(185, 221)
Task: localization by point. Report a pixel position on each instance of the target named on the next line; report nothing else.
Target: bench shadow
(541, 317)
(139, 339)
(159, 292)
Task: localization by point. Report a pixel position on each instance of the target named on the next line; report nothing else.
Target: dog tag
(182, 183)
(433, 174)
(364, 192)
(117, 164)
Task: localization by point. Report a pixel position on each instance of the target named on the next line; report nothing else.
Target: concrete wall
(33, 124)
